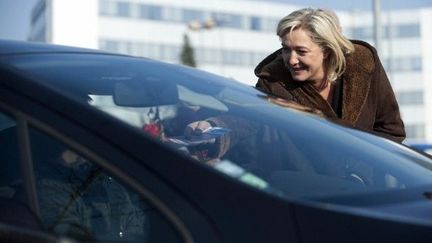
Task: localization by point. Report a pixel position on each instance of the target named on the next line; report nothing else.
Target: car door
(203, 203)
(77, 185)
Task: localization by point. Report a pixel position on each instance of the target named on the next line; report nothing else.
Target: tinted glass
(262, 144)
(11, 184)
(81, 200)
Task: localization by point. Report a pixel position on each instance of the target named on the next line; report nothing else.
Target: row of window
(394, 31)
(410, 97)
(171, 53)
(214, 56)
(184, 15)
(403, 64)
(417, 131)
(229, 20)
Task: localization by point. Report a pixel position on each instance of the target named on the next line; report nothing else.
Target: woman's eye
(301, 52)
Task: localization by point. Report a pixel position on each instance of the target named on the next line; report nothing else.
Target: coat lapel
(306, 95)
(356, 86)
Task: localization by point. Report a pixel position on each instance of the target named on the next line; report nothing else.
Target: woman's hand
(196, 128)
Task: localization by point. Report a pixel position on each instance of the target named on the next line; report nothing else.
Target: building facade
(230, 37)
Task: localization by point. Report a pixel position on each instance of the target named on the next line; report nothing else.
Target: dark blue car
(93, 147)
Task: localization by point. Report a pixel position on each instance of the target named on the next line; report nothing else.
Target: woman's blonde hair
(324, 29)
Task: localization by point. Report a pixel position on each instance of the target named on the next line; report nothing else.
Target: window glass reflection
(81, 200)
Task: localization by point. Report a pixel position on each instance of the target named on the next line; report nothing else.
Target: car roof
(8, 47)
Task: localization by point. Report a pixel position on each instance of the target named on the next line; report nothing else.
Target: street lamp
(197, 25)
(377, 25)
(208, 24)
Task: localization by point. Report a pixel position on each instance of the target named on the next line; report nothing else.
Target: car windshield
(249, 137)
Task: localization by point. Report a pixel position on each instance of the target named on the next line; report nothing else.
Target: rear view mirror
(145, 93)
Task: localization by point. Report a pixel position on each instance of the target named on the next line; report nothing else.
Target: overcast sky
(15, 14)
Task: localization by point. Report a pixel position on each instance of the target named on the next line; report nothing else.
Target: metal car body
(92, 148)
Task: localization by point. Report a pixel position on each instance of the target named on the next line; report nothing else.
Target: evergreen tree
(187, 53)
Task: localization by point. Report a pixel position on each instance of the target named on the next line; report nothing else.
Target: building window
(192, 15)
(109, 45)
(397, 31)
(410, 97)
(228, 20)
(269, 24)
(172, 14)
(362, 33)
(255, 23)
(415, 131)
(171, 53)
(403, 64)
(208, 56)
(416, 64)
(408, 30)
(123, 9)
(150, 12)
(234, 57)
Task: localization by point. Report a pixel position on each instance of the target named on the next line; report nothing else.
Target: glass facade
(185, 15)
(416, 131)
(394, 31)
(233, 57)
(171, 53)
(410, 97)
(123, 9)
(237, 21)
(403, 64)
(150, 12)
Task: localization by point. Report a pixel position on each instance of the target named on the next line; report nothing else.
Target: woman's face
(303, 57)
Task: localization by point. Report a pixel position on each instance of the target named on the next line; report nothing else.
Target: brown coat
(368, 101)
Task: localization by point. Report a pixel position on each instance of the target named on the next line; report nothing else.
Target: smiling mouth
(297, 69)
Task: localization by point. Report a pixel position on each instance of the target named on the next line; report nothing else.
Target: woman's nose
(293, 59)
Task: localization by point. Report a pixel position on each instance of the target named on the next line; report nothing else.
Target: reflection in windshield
(236, 136)
(239, 131)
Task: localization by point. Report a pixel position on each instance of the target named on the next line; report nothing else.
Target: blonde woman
(320, 68)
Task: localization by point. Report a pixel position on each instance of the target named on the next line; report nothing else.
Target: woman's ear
(326, 53)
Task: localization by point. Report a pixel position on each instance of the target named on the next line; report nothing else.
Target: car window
(81, 200)
(252, 137)
(10, 178)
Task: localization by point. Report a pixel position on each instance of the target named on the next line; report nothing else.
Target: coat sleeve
(274, 89)
(262, 85)
(388, 122)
